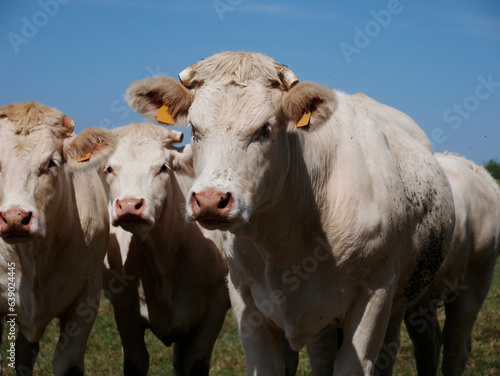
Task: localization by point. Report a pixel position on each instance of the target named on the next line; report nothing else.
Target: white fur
(58, 267)
(176, 272)
(465, 276)
(355, 185)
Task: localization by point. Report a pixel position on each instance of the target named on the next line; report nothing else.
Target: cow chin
(216, 224)
(135, 225)
(14, 238)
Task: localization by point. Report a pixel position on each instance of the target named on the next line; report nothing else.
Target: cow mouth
(214, 222)
(129, 219)
(15, 236)
(216, 225)
(132, 223)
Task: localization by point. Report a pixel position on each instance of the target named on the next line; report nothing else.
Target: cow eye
(195, 136)
(51, 165)
(164, 168)
(265, 131)
(109, 169)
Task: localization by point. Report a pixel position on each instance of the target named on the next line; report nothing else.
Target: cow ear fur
(147, 95)
(90, 149)
(307, 96)
(171, 136)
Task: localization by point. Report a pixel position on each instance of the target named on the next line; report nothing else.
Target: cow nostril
(224, 201)
(27, 219)
(196, 199)
(139, 204)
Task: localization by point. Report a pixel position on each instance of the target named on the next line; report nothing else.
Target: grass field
(103, 355)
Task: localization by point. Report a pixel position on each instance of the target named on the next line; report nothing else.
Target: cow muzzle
(16, 225)
(211, 208)
(129, 210)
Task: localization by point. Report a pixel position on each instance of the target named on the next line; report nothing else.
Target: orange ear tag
(163, 116)
(304, 120)
(84, 159)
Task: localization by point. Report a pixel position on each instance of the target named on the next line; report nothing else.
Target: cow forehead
(232, 105)
(25, 118)
(30, 148)
(238, 67)
(139, 151)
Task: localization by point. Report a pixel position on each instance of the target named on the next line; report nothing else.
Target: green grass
(103, 355)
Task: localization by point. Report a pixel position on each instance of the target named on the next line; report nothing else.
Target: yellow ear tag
(84, 159)
(304, 120)
(163, 116)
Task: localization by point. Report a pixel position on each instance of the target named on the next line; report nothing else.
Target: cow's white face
(240, 150)
(139, 176)
(30, 168)
(243, 109)
(37, 154)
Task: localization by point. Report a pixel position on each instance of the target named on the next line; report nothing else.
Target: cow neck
(165, 240)
(333, 185)
(39, 258)
(289, 227)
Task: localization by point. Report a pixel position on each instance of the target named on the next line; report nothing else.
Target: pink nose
(211, 205)
(130, 209)
(15, 222)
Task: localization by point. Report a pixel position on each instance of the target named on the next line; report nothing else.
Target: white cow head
(38, 151)
(243, 109)
(139, 174)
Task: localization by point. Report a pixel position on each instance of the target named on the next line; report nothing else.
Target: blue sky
(438, 61)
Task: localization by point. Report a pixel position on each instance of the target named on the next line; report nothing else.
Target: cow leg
(75, 330)
(290, 356)
(462, 306)
(390, 346)
(26, 354)
(187, 361)
(126, 307)
(179, 355)
(425, 333)
(322, 353)
(365, 329)
(262, 343)
(1, 337)
(135, 353)
(131, 330)
(195, 351)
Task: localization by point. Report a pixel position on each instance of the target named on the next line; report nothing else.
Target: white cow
(175, 274)
(341, 222)
(466, 274)
(54, 229)
(396, 117)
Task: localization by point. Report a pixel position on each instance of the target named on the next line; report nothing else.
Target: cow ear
(148, 95)
(308, 105)
(181, 160)
(89, 149)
